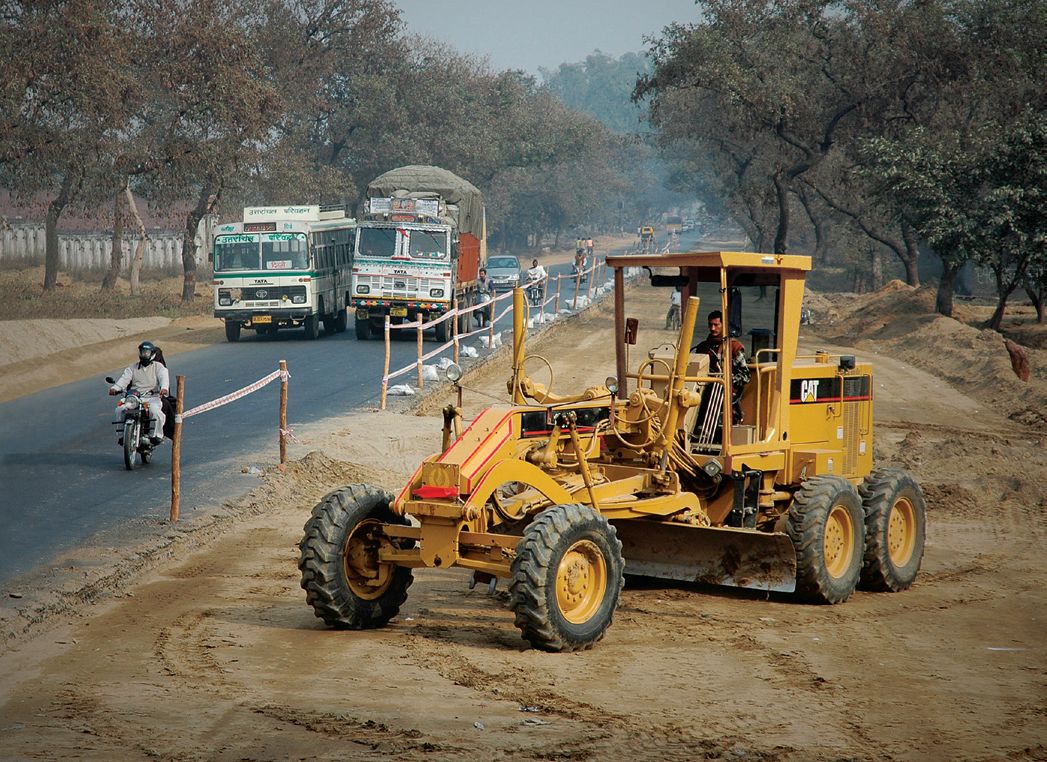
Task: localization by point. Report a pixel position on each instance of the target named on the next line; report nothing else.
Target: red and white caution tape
(232, 397)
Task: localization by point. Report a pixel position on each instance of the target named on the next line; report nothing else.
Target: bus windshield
(377, 242)
(284, 251)
(427, 244)
(236, 252)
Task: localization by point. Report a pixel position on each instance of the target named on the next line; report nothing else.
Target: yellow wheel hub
(901, 532)
(581, 582)
(838, 543)
(367, 577)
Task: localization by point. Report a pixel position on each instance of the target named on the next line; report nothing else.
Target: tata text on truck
(419, 246)
(284, 267)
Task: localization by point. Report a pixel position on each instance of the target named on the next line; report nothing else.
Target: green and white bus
(284, 267)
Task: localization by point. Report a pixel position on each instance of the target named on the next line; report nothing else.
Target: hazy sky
(527, 34)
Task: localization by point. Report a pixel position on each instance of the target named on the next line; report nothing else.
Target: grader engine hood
(455, 474)
(492, 451)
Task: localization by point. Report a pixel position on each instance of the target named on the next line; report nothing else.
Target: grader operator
(650, 475)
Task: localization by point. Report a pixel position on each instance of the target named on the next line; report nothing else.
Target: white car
(504, 272)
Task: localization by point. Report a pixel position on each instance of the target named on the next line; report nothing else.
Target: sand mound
(29, 339)
(901, 320)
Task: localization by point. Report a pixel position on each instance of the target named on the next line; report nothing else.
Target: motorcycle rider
(151, 380)
(536, 277)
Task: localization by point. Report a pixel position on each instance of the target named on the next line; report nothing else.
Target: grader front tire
(895, 530)
(566, 578)
(826, 526)
(343, 580)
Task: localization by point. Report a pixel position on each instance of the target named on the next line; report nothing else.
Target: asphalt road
(62, 478)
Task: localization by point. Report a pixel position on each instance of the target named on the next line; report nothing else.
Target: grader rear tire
(567, 576)
(826, 525)
(343, 580)
(895, 529)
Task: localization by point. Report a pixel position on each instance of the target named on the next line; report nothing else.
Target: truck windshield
(426, 244)
(284, 251)
(236, 252)
(377, 242)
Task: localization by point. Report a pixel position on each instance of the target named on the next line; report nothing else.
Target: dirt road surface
(202, 646)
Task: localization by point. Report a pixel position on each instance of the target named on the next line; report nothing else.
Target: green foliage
(918, 123)
(601, 87)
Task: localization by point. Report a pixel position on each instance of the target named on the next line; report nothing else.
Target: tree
(65, 100)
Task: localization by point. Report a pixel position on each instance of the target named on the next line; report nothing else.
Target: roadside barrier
(597, 270)
(285, 433)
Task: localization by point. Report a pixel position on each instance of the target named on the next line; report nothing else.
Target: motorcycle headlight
(298, 299)
(130, 403)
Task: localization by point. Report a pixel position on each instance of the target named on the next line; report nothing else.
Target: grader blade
(712, 555)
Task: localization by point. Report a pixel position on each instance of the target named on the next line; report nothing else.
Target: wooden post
(421, 379)
(385, 373)
(589, 289)
(176, 451)
(577, 288)
(558, 279)
(283, 411)
(454, 329)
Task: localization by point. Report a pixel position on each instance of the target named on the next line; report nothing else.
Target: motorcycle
(535, 293)
(133, 427)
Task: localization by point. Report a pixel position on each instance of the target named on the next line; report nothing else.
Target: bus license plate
(259, 319)
(398, 312)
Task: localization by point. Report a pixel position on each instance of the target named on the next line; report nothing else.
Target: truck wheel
(443, 331)
(464, 320)
(344, 582)
(232, 330)
(895, 529)
(363, 328)
(825, 523)
(341, 321)
(312, 327)
(567, 575)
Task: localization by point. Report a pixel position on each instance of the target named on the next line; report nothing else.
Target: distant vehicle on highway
(504, 272)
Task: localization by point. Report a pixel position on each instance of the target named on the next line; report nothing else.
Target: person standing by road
(672, 318)
(486, 289)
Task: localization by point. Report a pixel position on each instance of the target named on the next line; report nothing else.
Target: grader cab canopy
(734, 460)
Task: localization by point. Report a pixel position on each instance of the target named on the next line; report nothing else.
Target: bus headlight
(436, 293)
(224, 299)
(363, 289)
(298, 299)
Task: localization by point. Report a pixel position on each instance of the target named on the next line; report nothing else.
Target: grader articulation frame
(565, 496)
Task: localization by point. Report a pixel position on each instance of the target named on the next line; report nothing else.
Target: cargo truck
(420, 242)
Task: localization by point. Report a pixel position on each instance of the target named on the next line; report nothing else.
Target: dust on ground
(205, 649)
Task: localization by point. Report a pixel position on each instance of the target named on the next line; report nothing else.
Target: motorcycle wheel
(130, 443)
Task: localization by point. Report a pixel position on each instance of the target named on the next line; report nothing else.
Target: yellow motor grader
(758, 474)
